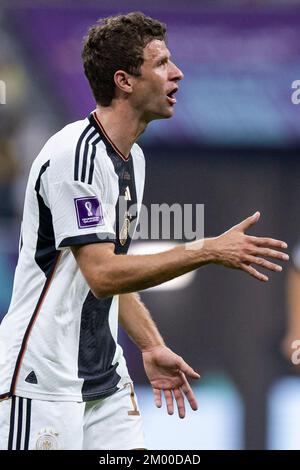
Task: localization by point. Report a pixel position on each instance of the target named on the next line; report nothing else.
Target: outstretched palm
(167, 372)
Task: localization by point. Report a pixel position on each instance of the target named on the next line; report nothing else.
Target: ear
(123, 81)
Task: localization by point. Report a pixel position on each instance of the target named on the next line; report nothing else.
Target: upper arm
(92, 260)
(82, 210)
(80, 215)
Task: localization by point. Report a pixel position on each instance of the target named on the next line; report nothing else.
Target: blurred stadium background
(233, 145)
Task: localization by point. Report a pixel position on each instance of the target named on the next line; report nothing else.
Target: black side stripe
(85, 154)
(20, 421)
(28, 422)
(77, 151)
(12, 423)
(45, 251)
(21, 239)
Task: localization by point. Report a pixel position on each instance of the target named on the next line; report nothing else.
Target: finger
(180, 402)
(269, 242)
(264, 263)
(187, 370)
(272, 253)
(186, 388)
(253, 272)
(157, 397)
(169, 401)
(247, 223)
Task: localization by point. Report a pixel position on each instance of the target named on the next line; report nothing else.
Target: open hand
(237, 250)
(167, 373)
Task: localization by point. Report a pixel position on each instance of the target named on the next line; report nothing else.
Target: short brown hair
(115, 43)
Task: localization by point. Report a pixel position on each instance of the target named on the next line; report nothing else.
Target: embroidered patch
(89, 212)
(47, 440)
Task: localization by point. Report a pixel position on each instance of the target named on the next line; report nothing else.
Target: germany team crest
(47, 440)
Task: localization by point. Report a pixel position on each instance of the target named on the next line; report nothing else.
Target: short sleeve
(80, 214)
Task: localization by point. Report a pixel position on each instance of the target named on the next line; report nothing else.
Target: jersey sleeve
(81, 213)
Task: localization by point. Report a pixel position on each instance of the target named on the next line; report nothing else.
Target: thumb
(188, 370)
(247, 223)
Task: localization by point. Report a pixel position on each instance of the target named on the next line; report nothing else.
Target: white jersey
(57, 341)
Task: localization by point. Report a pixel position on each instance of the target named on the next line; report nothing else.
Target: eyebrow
(163, 58)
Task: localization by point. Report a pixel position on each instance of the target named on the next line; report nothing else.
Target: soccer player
(64, 383)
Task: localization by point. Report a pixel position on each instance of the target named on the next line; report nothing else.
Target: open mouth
(171, 97)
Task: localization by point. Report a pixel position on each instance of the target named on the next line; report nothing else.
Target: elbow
(102, 288)
(101, 293)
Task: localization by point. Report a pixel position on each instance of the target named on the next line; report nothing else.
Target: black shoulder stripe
(77, 151)
(85, 154)
(91, 173)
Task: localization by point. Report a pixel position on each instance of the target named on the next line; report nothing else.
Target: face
(153, 91)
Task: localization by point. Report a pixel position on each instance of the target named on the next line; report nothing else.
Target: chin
(170, 111)
(166, 114)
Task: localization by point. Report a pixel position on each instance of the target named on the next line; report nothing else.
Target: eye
(163, 62)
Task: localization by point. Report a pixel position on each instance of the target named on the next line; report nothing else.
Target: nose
(176, 74)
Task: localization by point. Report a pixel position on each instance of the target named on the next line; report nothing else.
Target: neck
(122, 125)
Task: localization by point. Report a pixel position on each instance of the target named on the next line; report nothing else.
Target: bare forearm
(137, 322)
(108, 274)
(131, 273)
